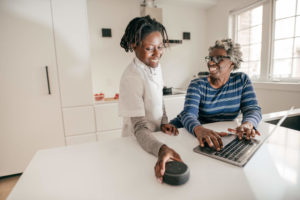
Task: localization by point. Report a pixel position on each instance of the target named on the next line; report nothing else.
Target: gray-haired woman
(220, 97)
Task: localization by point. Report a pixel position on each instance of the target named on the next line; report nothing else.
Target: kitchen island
(120, 169)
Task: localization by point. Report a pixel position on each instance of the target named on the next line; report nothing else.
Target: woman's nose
(211, 62)
(157, 52)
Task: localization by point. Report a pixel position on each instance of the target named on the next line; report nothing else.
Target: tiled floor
(7, 184)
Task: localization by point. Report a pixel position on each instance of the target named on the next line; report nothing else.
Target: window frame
(268, 38)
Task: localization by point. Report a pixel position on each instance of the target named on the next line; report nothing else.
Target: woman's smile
(213, 69)
(155, 60)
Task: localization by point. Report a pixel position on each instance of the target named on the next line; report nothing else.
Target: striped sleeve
(249, 106)
(189, 116)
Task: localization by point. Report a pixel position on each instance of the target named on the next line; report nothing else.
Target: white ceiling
(198, 3)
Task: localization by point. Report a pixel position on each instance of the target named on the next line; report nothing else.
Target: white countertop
(176, 95)
(120, 169)
(278, 115)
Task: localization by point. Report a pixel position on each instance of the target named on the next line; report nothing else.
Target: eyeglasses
(216, 59)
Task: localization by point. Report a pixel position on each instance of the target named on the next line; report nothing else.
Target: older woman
(220, 97)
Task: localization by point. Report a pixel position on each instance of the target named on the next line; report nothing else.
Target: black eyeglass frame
(216, 59)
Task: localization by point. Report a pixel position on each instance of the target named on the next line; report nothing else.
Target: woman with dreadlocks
(141, 103)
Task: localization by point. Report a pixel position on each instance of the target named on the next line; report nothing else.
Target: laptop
(235, 151)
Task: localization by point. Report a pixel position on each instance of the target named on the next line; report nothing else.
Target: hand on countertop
(169, 129)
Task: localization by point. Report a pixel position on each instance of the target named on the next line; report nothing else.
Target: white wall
(108, 59)
(272, 97)
(181, 62)
(218, 18)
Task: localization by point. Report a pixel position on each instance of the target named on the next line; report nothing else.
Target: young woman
(141, 102)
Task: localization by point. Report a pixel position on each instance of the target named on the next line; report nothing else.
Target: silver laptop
(235, 151)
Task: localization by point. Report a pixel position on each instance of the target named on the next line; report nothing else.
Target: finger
(220, 140)
(215, 142)
(157, 170)
(173, 131)
(253, 133)
(257, 132)
(162, 165)
(240, 134)
(208, 140)
(177, 157)
(177, 132)
(168, 130)
(232, 130)
(248, 133)
(240, 128)
(160, 179)
(165, 129)
(222, 134)
(201, 142)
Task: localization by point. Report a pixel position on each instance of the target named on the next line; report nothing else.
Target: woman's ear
(232, 66)
(133, 46)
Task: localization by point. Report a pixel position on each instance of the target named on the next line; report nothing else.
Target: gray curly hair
(232, 49)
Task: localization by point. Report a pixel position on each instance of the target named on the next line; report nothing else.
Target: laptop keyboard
(235, 149)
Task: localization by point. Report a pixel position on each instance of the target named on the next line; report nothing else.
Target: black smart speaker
(177, 173)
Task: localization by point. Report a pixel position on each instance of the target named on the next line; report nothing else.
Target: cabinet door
(79, 120)
(107, 117)
(30, 117)
(70, 22)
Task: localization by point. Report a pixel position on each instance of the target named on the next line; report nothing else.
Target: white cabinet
(107, 117)
(109, 124)
(70, 23)
(79, 120)
(30, 118)
(35, 34)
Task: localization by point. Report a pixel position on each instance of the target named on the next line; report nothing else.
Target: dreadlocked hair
(138, 29)
(232, 49)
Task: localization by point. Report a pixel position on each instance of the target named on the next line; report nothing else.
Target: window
(249, 32)
(272, 54)
(286, 42)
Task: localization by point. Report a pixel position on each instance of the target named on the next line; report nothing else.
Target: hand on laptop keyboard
(246, 129)
(212, 138)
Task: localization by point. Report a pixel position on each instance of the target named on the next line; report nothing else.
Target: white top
(141, 95)
(119, 169)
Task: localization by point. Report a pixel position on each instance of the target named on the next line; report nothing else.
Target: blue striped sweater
(205, 104)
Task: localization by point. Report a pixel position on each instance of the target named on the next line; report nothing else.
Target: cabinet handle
(48, 82)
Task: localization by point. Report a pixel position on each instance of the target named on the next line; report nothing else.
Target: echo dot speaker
(177, 173)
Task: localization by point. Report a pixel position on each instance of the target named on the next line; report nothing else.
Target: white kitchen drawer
(107, 117)
(80, 139)
(105, 135)
(79, 120)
